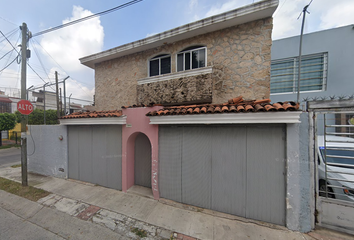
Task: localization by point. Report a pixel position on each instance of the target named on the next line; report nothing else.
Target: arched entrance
(142, 161)
(140, 138)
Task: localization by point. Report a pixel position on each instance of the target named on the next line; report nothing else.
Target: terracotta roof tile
(94, 114)
(234, 105)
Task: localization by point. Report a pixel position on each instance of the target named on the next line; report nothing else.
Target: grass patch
(16, 188)
(139, 232)
(9, 146)
(16, 166)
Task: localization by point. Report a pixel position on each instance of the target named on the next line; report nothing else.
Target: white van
(339, 153)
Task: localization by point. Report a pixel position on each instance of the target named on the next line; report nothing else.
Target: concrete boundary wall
(48, 150)
(299, 200)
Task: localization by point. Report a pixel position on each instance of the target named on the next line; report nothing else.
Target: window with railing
(284, 74)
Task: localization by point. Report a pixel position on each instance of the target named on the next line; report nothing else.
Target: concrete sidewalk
(123, 212)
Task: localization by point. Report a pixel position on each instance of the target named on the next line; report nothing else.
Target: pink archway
(138, 122)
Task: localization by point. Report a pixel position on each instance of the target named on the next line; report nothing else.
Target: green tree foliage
(37, 117)
(7, 121)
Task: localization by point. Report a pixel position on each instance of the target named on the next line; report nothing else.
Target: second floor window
(160, 64)
(191, 58)
(284, 74)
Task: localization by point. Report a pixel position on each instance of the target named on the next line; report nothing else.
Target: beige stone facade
(239, 57)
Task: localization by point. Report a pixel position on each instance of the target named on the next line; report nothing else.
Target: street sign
(25, 107)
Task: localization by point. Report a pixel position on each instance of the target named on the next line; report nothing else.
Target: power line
(38, 75)
(9, 41)
(40, 61)
(8, 21)
(88, 17)
(75, 81)
(9, 34)
(6, 54)
(8, 64)
(305, 9)
(279, 8)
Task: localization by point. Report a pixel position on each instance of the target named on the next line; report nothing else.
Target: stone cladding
(240, 58)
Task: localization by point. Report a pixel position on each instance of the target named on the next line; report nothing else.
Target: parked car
(339, 154)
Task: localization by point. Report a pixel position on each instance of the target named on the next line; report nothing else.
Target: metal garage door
(95, 154)
(234, 169)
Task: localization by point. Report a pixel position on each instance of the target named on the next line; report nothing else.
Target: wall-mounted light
(61, 138)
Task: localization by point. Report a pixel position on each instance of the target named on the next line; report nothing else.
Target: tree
(7, 122)
(37, 117)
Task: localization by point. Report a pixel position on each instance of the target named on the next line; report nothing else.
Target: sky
(60, 50)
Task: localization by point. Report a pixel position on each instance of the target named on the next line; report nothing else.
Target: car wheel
(322, 190)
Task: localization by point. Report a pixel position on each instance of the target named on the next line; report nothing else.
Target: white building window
(284, 74)
(159, 65)
(191, 58)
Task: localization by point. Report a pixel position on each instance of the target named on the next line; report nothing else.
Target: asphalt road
(10, 156)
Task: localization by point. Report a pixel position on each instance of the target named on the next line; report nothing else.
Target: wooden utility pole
(57, 91)
(23, 96)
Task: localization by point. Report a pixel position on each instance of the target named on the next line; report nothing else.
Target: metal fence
(336, 158)
(15, 136)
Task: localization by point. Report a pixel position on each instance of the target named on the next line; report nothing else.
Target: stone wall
(239, 56)
(196, 89)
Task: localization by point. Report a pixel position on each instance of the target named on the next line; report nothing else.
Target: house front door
(142, 161)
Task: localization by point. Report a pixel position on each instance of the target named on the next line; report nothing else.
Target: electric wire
(305, 9)
(34, 143)
(58, 63)
(75, 81)
(87, 18)
(37, 73)
(8, 21)
(6, 54)
(40, 61)
(8, 64)
(278, 10)
(8, 35)
(9, 41)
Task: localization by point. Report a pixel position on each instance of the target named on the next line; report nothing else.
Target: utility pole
(69, 102)
(28, 91)
(57, 88)
(44, 120)
(23, 96)
(60, 103)
(304, 11)
(65, 95)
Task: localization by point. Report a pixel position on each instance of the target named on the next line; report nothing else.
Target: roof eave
(252, 12)
(229, 118)
(94, 121)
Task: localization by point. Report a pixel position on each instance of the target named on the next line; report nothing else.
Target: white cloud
(151, 34)
(69, 44)
(323, 14)
(339, 15)
(227, 6)
(193, 4)
(285, 22)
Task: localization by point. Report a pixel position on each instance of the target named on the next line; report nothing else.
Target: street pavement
(77, 210)
(10, 156)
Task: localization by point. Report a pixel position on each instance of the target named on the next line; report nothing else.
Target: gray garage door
(234, 169)
(95, 154)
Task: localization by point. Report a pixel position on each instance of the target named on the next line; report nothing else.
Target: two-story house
(186, 114)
